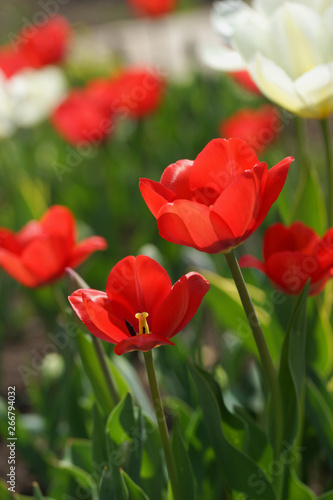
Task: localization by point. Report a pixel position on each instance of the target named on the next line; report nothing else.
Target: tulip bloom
(285, 46)
(294, 254)
(79, 119)
(153, 8)
(218, 200)
(140, 309)
(258, 128)
(39, 253)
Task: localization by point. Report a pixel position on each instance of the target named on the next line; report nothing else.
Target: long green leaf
(185, 474)
(134, 491)
(239, 470)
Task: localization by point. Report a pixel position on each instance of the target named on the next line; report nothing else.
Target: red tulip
(244, 79)
(11, 61)
(294, 254)
(140, 309)
(218, 200)
(153, 8)
(136, 92)
(259, 128)
(44, 44)
(80, 119)
(39, 253)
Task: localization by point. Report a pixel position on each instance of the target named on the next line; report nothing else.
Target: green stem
(260, 341)
(158, 406)
(329, 166)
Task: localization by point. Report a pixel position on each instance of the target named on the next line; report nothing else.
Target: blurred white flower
(287, 46)
(29, 97)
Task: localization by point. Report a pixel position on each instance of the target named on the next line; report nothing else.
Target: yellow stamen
(143, 325)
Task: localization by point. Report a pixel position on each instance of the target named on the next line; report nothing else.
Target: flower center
(143, 325)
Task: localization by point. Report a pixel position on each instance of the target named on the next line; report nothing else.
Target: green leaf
(320, 344)
(309, 205)
(184, 470)
(38, 495)
(134, 491)
(81, 477)
(326, 496)
(321, 416)
(124, 437)
(112, 485)
(223, 291)
(4, 493)
(78, 452)
(99, 451)
(93, 371)
(292, 367)
(299, 490)
(239, 470)
(152, 472)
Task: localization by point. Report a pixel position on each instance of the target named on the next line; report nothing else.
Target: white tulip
(29, 97)
(287, 46)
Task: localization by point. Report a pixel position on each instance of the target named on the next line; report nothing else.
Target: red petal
(14, 266)
(176, 178)
(85, 248)
(188, 223)
(219, 163)
(76, 301)
(8, 240)
(275, 181)
(98, 309)
(297, 237)
(30, 231)
(139, 283)
(250, 261)
(141, 343)
(236, 205)
(46, 258)
(181, 305)
(155, 195)
(59, 221)
(288, 271)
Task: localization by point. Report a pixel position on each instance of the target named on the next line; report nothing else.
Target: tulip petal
(141, 343)
(188, 223)
(76, 301)
(250, 261)
(217, 165)
(176, 178)
(315, 89)
(155, 195)
(59, 221)
(30, 231)
(180, 305)
(14, 266)
(85, 248)
(297, 237)
(98, 309)
(45, 257)
(236, 205)
(288, 270)
(276, 178)
(140, 284)
(8, 241)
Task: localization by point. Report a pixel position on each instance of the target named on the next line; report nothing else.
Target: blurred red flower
(218, 200)
(39, 253)
(243, 78)
(36, 46)
(259, 128)
(294, 254)
(153, 8)
(80, 119)
(140, 309)
(133, 93)
(45, 44)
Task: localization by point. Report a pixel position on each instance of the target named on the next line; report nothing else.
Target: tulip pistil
(143, 325)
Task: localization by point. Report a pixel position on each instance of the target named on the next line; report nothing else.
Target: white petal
(274, 83)
(7, 126)
(316, 89)
(224, 16)
(250, 34)
(36, 94)
(221, 58)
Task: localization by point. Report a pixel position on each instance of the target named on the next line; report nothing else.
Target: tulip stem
(158, 406)
(329, 165)
(264, 354)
